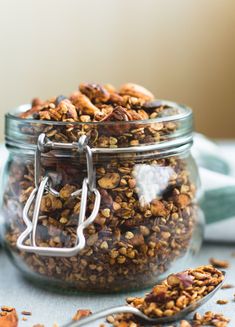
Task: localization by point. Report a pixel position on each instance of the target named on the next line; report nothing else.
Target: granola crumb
(222, 301)
(81, 313)
(8, 317)
(227, 286)
(7, 308)
(217, 263)
(26, 313)
(185, 323)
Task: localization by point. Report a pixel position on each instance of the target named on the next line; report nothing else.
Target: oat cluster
(173, 295)
(148, 207)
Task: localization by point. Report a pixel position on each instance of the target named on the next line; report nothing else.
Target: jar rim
(185, 112)
(23, 133)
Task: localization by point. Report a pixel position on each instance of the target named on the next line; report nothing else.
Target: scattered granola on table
(149, 215)
(210, 319)
(26, 313)
(219, 263)
(227, 286)
(8, 317)
(173, 295)
(221, 301)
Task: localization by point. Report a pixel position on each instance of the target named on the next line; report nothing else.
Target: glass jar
(104, 206)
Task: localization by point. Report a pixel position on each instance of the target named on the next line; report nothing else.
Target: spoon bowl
(151, 321)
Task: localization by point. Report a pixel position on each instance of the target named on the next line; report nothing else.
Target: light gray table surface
(48, 307)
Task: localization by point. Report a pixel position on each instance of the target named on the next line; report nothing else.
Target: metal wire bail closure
(88, 185)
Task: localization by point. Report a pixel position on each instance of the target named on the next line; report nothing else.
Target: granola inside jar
(100, 190)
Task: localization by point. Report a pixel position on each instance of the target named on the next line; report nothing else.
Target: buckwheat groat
(148, 211)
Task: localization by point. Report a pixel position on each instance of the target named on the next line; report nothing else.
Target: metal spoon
(129, 309)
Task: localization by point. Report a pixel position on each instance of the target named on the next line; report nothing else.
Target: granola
(149, 207)
(174, 294)
(8, 317)
(81, 313)
(219, 263)
(210, 319)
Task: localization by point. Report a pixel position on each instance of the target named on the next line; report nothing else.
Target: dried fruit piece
(137, 91)
(26, 313)
(152, 104)
(109, 180)
(182, 279)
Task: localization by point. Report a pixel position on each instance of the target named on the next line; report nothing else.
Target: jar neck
(171, 133)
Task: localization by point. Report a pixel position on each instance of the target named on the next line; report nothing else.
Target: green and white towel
(217, 172)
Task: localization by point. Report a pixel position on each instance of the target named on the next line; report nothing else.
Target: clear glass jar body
(149, 219)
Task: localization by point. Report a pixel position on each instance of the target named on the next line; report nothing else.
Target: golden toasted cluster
(95, 102)
(173, 295)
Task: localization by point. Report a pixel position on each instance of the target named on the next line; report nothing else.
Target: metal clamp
(45, 186)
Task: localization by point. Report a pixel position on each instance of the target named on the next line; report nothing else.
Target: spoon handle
(104, 313)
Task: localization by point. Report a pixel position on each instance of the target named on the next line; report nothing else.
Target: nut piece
(219, 263)
(182, 200)
(50, 203)
(84, 105)
(135, 90)
(185, 323)
(95, 92)
(66, 191)
(81, 313)
(68, 109)
(109, 181)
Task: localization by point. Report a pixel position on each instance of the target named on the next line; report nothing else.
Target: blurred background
(182, 50)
